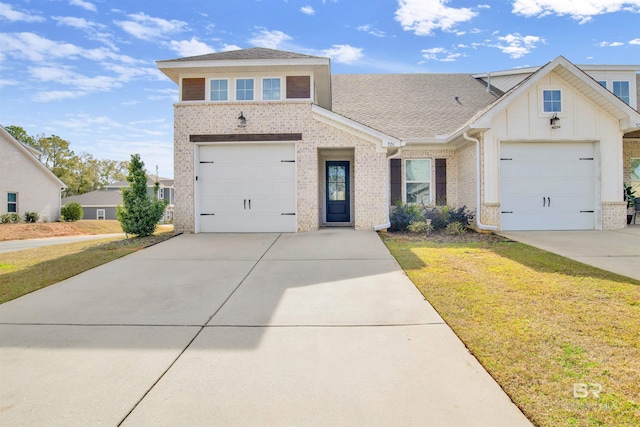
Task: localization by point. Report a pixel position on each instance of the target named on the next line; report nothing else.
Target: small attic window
(552, 101)
(193, 89)
(298, 87)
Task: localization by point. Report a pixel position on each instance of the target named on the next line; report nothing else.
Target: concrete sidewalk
(617, 251)
(247, 330)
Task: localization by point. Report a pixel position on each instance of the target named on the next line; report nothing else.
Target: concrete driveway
(310, 329)
(617, 251)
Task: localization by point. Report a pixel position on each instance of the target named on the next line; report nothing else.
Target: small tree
(139, 213)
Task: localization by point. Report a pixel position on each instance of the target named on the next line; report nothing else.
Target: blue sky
(85, 69)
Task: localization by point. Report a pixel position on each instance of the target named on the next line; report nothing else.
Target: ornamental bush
(139, 213)
(10, 218)
(72, 211)
(31, 217)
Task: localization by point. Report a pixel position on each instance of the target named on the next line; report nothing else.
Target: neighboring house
(270, 141)
(102, 204)
(99, 204)
(26, 185)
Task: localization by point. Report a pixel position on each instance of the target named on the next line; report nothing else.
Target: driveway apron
(308, 329)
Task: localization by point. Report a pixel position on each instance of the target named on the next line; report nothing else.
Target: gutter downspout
(480, 225)
(388, 223)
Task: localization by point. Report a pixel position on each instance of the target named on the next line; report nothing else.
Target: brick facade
(369, 165)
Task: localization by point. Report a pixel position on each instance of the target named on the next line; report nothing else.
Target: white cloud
(57, 95)
(516, 46)
(93, 29)
(307, 10)
(228, 47)
(484, 6)
(84, 4)
(7, 82)
(440, 54)
(634, 41)
(33, 47)
(191, 47)
(269, 39)
(582, 11)
(8, 13)
(423, 17)
(370, 30)
(610, 44)
(343, 53)
(146, 27)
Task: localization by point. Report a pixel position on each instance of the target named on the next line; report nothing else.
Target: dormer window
(244, 90)
(271, 89)
(552, 101)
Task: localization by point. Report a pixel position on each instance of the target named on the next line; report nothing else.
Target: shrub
(461, 215)
(438, 216)
(403, 215)
(420, 227)
(72, 212)
(31, 217)
(455, 229)
(10, 218)
(139, 214)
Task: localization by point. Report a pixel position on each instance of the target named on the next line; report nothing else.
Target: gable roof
(107, 198)
(409, 106)
(29, 153)
(628, 118)
(151, 181)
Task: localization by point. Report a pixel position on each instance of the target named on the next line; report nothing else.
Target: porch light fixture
(243, 121)
(553, 121)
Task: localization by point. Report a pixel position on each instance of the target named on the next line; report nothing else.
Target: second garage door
(246, 188)
(547, 186)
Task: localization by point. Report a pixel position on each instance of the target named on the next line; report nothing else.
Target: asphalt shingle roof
(96, 198)
(409, 105)
(243, 54)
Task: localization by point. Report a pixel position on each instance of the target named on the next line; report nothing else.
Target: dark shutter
(298, 87)
(193, 89)
(396, 180)
(441, 182)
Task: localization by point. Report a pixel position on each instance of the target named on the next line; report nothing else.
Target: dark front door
(337, 174)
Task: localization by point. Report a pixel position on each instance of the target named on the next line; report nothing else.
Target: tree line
(81, 173)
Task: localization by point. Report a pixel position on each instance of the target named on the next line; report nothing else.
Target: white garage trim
(549, 186)
(245, 187)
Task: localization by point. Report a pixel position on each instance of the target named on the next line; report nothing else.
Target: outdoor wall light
(243, 121)
(553, 121)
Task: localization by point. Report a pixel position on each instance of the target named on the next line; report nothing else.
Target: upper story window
(244, 90)
(418, 180)
(220, 90)
(12, 202)
(603, 83)
(621, 90)
(552, 101)
(271, 89)
(160, 193)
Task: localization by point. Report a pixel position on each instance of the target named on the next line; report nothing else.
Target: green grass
(25, 271)
(541, 325)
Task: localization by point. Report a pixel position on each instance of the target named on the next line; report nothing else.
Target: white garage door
(246, 188)
(547, 186)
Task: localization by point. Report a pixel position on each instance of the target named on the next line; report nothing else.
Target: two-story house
(271, 141)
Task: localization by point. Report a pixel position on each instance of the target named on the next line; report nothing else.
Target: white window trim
(104, 214)
(541, 102)
(613, 82)
(405, 181)
(208, 88)
(255, 89)
(262, 79)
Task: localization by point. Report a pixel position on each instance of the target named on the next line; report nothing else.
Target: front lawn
(560, 337)
(28, 270)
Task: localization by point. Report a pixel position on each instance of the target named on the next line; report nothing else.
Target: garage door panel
(547, 186)
(247, 188)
